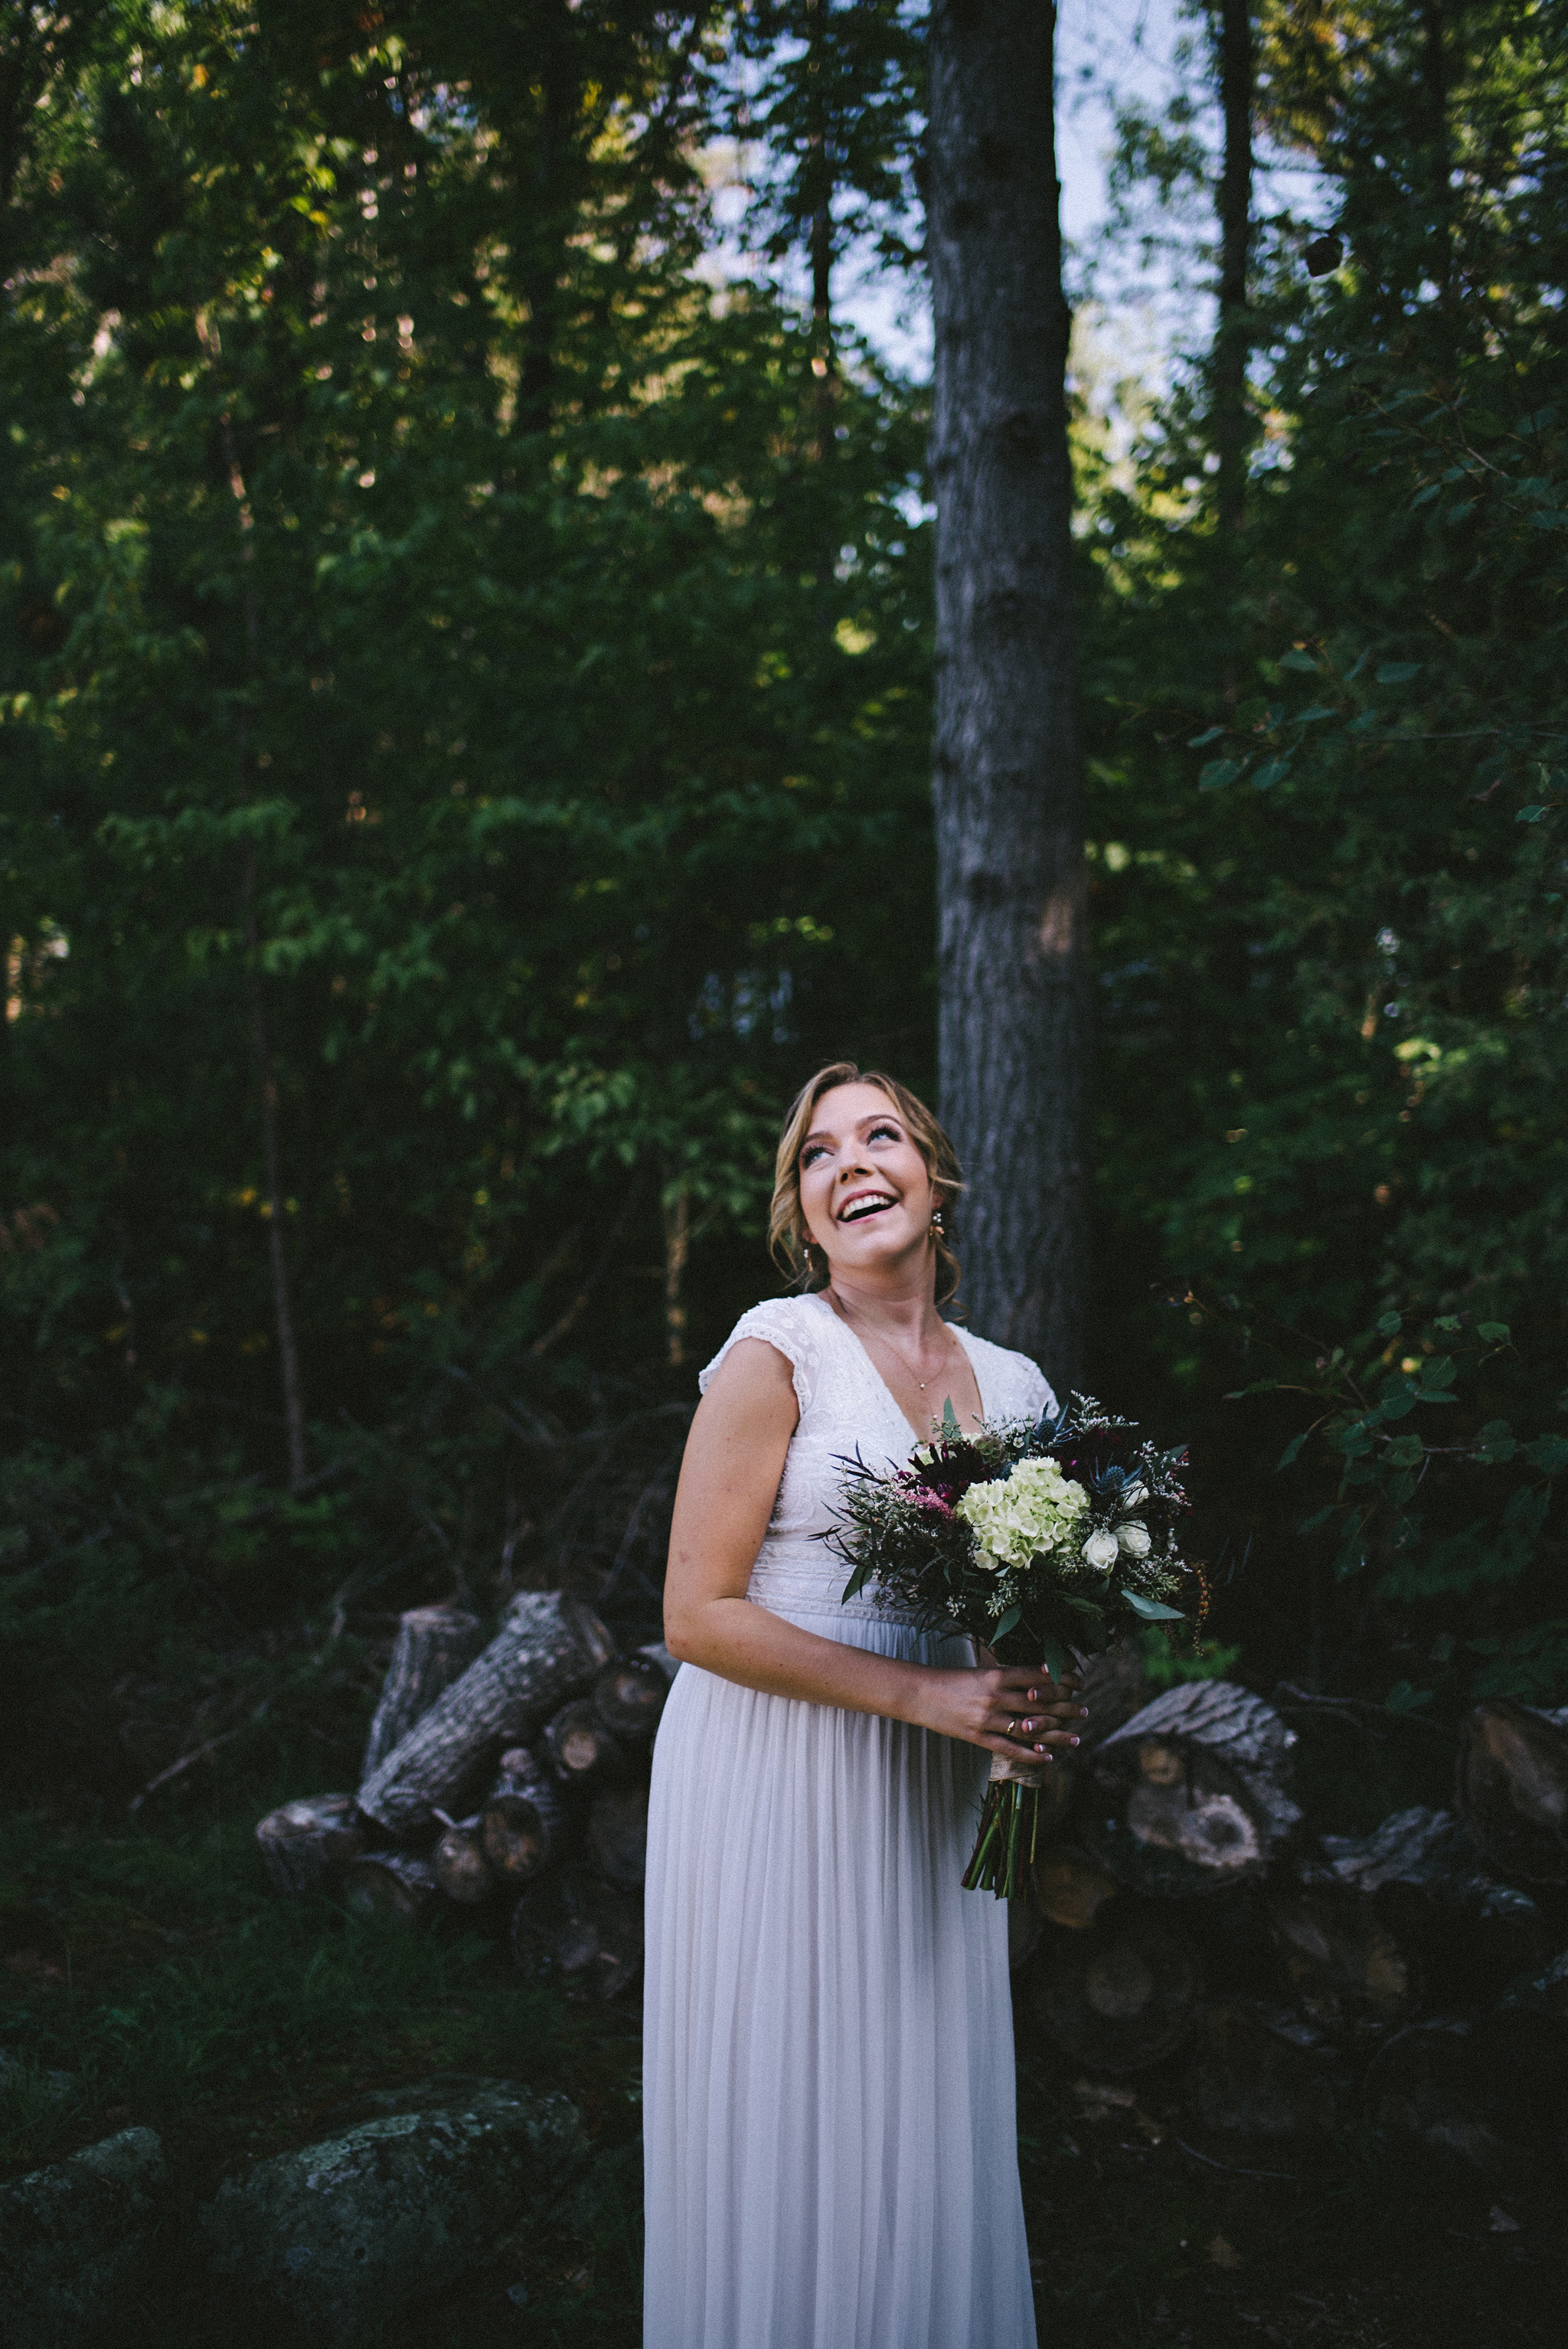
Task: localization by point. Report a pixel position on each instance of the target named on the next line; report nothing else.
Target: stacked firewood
(1194, 1906)
(1200, 1899)
(505, 1779)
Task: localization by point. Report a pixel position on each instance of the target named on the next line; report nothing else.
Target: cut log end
(308, 1843)
(389, 1885)
(580, 1749)
(618, 1835)
(1121, 1995)
(629, 1696)
(462, 1869)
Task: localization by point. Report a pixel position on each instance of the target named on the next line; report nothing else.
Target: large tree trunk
(1008, 765)
(1234, 44)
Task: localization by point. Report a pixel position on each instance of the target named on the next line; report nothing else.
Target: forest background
(466, 645)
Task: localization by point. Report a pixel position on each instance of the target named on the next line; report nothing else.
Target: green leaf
(1319, 1517)
(1352, 1553)
(1494, 1332)
(949, 1427)
(1202, 741)
(855, 1585)
(1308, 717)
(1549, 1454)
(1271, 771)
(1006, 1622)
(1389, 1325)
(1497, 1442)
(1526, 1510)
(1531, 814)
(1403, 1698)
(1151, 1609)
(1440, 1372)
(1449, 1321)
(1304, 661)
(1217, 775)
(1292, 1450)
(1397, 672)
(1395, 1406)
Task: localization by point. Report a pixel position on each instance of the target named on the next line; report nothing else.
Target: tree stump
(629, 1696)
(1071, 1888)
(433, 1646)
(520, 1820)
(585, 1935)
(1512, 1789)
(582, 1751)
(308, 1843)
(1122, 1993)
(1258, 2071)
(1343, 1962)
(461, 1868)
(391, 1884)
(548, 1644)
(1191, 1791)
(1468, 1934)
(618, 1835)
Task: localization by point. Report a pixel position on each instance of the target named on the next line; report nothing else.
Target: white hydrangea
(1031, 1509)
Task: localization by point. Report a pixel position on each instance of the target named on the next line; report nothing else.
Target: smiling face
(865, 1190)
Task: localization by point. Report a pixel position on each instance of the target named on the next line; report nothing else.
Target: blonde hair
(789, 1241)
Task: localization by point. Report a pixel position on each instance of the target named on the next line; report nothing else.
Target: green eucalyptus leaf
(1153, 1610)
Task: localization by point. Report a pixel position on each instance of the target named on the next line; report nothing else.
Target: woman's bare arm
(729, 1478)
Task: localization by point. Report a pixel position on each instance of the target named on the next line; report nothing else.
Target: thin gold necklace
(892, 1350)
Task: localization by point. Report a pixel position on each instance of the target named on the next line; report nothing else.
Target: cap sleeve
(785, 1324)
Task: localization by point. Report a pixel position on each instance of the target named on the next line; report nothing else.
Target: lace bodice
(845, 1406)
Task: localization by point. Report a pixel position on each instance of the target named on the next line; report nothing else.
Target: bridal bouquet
(1038, 1540)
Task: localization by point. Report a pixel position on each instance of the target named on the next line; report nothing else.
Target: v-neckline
(866, 1355)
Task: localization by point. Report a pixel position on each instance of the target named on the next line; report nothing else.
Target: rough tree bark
(1236, 57)
(1007, 770)
(547, 1644)
(309, 1841)
(434, 1644)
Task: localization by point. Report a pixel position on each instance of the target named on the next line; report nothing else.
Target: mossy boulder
(74, 2240)
(416, 2190)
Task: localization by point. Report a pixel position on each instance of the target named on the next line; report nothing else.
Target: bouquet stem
(1010, 1828)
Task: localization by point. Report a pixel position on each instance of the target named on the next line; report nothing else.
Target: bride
(829, 2102)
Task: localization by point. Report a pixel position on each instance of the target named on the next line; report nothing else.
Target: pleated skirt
(830, 2126)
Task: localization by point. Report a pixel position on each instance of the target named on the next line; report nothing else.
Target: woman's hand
(1017, 1710)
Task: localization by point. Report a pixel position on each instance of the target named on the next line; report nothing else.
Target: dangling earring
(936, 1224)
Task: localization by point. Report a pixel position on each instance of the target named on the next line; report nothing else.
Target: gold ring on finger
(1012, 1729)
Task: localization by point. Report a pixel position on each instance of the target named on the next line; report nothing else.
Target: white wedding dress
(829, 2130)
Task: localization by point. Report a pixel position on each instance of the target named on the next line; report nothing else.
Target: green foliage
(1327, 849)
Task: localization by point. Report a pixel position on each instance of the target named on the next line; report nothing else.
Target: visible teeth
(866, 1206)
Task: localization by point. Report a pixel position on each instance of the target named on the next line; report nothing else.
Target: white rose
(1100, 1551)
(1134, 1539)
(1134, 1496)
